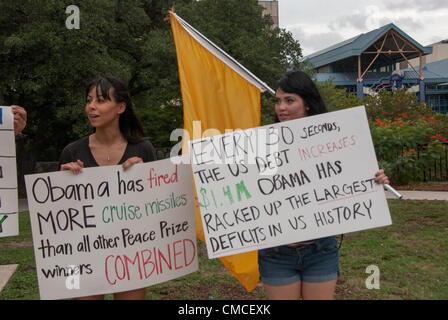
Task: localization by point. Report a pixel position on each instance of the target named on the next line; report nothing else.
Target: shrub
(406, 148)
(407, 135)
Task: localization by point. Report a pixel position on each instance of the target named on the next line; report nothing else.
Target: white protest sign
(288, 182)
(9, 218)
(106, 230)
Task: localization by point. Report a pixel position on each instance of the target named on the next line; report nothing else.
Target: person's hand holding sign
(130, 162)
(19, 119)
(74, 167)
(381, 178)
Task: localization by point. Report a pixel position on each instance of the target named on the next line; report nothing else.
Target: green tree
(337, 99)
(239, 28)
(45, 66)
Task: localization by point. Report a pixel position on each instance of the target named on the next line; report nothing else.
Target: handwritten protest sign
(106, 230)
(288, 182)
(9, 218)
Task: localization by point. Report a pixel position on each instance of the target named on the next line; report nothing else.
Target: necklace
(108, 151)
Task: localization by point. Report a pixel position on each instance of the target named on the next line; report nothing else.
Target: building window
(438, 102)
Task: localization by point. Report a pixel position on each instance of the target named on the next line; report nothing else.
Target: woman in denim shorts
(304, 270)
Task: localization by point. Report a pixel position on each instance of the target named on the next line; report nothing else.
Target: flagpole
(254, 77)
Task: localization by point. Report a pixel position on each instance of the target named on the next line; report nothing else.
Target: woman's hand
(74, 167)
(130, 162)
(381, 178)
(19, 119)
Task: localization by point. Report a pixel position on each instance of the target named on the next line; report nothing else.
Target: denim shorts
(315, 262)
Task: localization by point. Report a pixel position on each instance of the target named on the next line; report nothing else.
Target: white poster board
(288, 182)
(9, 218)
(106, 230)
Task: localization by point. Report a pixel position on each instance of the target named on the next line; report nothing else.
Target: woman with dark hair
(117, 139)
(303, 88)
(304, 270)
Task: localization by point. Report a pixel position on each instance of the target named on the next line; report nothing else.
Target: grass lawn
(411, 255)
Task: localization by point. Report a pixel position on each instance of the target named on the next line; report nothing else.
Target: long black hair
(300, 83)
(130, 125)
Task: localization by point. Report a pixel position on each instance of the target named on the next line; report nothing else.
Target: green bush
(408, 136)
(406, 148)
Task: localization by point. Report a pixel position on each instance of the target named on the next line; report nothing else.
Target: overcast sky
(318, 24)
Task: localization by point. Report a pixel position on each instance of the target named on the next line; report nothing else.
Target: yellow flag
(221, 94)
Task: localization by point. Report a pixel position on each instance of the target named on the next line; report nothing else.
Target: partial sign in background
(9, 219)
(288, 182)
(106, 230)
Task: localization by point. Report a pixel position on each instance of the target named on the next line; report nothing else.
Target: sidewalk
(420, 195)
(6, 273)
